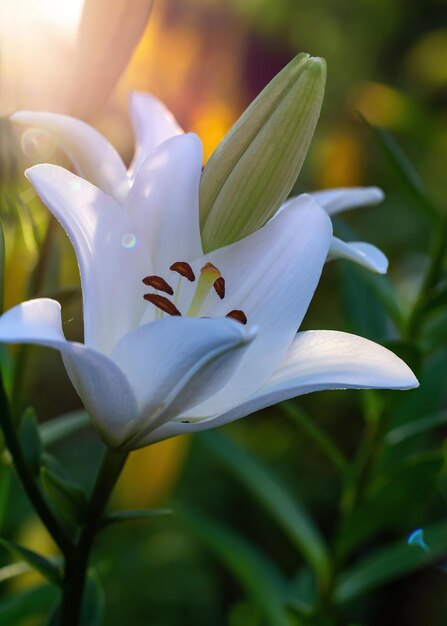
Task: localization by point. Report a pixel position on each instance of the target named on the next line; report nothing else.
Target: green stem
(30, 485)
(76, 565)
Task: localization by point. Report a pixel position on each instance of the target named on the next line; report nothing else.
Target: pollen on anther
(184, 269)
(219, 286)
(162, 303)
(237, 315)
(159, 283)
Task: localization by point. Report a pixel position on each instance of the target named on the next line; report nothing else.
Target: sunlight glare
(64, 14)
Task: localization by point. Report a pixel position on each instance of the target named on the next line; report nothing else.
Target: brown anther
(184, 269)
(237, 315)
(162, 303)
(219, 286)
(159, 283)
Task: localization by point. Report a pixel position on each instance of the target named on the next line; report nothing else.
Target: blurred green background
(301, 513)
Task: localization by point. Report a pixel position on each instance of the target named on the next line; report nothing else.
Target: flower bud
(255, 166)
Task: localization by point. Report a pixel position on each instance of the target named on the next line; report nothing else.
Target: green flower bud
(255, 166)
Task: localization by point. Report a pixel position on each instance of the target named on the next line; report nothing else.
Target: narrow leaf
(403, 170)
(259, 577)
(416, 427)
(283, 506)
(67, 497)
(130, 516)
(391, 563)
(63, 426)
(36, 561)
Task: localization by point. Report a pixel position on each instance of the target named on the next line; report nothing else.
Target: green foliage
(15, 609)
(282, 505)
(67, 497)
(117, 517)
(258, 575)
(94, 601)
(30, 440)
(36, 561)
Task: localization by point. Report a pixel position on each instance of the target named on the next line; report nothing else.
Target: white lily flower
(160, 355)
(96, 160)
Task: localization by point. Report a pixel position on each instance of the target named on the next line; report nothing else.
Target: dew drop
(129, 241)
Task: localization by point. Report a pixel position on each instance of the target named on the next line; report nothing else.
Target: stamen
(159, 283)
(219, 286)
(184, 269)
(162, 303)
(237, 315)
(209, 274)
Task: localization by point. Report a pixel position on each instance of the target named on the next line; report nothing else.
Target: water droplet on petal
(128, 241)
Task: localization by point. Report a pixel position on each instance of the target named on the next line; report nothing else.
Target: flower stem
(76, 565)
(29, 482)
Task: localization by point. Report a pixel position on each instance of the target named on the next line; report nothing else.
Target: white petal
(164, 202)
(101, 385)
(271, 275)
(337, 200)
(177, 362)
(94, 158)
(153, 123)
(111, 269)
(360, 252)
(317, 360)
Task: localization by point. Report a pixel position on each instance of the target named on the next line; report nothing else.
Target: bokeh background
(361, 470)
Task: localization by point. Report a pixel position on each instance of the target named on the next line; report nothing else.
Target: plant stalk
(77, 564)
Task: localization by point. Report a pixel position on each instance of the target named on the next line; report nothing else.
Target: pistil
(209, 274)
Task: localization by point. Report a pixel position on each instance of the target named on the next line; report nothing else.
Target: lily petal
(176, 363)
(362, 253)
(335, 201)
(153, 123)
(99, 382)
(164, 202)
(271, 275)
(94, 158)
(109, 249)
(316, 360)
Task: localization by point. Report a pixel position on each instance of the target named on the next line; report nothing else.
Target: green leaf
(416, 427)
(15, 609)
(316, 433)
(94, 601)
(36, 561)
(404, 171)
(390, 563)
(12, 571)
(130, 516)
(68, 498)
(64, 426)
(393, 499)
(255, 166)
(30, 440)
(259, 576)
(283, 506)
